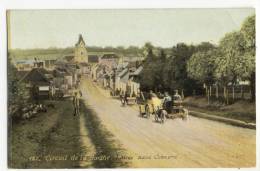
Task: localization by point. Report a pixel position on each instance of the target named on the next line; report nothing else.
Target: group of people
(167, 101)
(167, 97)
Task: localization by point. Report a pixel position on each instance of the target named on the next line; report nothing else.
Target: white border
(106, 4)
(82, 4)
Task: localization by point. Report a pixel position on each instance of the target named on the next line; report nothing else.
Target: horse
(123, 100)
(160, 115)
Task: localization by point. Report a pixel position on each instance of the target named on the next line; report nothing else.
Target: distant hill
(51, 53)
(55, 53)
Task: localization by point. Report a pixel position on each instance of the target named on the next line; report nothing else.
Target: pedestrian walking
(76, 104)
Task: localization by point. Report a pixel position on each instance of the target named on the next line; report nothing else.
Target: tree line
(195, 67)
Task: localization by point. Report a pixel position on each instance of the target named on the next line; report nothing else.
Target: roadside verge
(234, 122)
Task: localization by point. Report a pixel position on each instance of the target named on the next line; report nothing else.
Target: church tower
(81, 54)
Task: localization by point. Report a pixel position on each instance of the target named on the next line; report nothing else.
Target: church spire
(80, 40)
(81, 54)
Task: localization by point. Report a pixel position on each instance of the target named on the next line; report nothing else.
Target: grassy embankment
(48, 140)
(54, 133)
(240, 110)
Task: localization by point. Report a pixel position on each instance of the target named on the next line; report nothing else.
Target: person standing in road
(76, 104)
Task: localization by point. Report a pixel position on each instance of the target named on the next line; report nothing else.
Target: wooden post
(227, 97)
(216, 91)
(206, 88)
(210, 91)
(224, 92)
(233, 93)
(242, 92)
(208, 96)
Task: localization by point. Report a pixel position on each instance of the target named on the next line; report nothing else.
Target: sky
(161, 27)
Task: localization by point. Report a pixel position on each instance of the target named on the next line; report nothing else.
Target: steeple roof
(80, 40)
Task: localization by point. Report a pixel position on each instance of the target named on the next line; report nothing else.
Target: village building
(39, 81)
(110, 59)
(84, 68)
(93, 58)
(80, 52)
(78, 60)
(136, 74)
(24, 65)
(121, 80)
(132, 58)
(134, 80)
(49, 64)
(63, 79)
(127, 79)
(27, 65)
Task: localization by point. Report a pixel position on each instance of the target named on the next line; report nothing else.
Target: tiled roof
(138, 71)
(109, 56)
(93, 58)
(37, 75)
(69, 58)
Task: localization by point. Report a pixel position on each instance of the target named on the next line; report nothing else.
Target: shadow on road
(103, 141)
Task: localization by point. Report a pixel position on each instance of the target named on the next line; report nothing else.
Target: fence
(228, 93)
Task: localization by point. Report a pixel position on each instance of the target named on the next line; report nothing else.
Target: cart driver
(167, 102)
(167, 98)
(176, 96)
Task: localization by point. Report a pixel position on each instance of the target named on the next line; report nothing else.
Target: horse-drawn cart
(160, 108)
(131, 100)
(175, 109)
(128, 100)
(149, 106)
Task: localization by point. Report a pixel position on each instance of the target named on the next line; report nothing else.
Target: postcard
(131, 88)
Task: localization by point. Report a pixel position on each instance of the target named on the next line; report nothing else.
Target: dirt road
(176, 143)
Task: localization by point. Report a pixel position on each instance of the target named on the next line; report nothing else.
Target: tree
(167, 74)
(153, 69)
(181, 53)
(162, 56)
(18, 94)
(158, 69)
(231, 63)
(147, 75)
(248, 33)
(201, 66)
(204, 46)
(147, 49)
